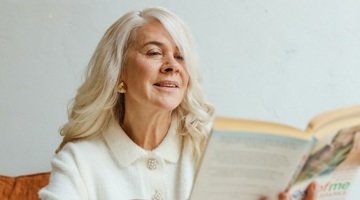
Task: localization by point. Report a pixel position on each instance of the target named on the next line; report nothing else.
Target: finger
(284, 196)
(311, 191)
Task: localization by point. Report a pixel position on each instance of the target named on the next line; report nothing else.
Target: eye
(179, 57)
(154, 54)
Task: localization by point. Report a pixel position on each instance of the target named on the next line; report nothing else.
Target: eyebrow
(157, 43)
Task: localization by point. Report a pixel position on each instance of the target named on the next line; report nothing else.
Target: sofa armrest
(6, 186)
(23, 187)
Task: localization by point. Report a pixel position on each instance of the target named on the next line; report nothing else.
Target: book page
(264, 127)
(329, 117)
(334, 162)
(247, 165)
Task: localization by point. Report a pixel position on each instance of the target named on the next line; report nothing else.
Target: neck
(147, 130)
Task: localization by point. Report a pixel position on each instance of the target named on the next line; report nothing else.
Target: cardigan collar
(126, 151)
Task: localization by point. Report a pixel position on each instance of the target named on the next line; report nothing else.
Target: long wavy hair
(97, 103)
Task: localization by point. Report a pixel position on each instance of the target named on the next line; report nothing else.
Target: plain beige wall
(274, 60)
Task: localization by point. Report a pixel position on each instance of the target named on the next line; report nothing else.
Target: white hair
(97, 103)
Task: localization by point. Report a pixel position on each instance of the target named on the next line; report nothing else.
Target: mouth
(167, 84)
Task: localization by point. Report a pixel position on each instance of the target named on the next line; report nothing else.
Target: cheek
(146, 67)
(185, 78)
(141, 71)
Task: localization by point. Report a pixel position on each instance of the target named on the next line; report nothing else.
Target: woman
(138, 124)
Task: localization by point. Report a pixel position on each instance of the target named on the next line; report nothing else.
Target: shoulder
(83, 144)
(188, 154)
(81, 149)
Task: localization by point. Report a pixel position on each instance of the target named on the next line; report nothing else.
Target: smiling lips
(168, 84)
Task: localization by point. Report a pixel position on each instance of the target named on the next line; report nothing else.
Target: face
(155, 71)
(343, 138)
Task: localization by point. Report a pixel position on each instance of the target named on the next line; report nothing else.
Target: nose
(170, 65)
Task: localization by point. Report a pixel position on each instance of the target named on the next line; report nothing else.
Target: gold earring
(121, 88)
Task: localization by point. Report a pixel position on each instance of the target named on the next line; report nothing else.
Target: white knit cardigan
(111, 166)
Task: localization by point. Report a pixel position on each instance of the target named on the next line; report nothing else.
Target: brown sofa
(22, 187)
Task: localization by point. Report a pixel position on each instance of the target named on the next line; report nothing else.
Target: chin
(170, 106)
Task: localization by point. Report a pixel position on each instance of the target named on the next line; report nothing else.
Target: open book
(247, 159)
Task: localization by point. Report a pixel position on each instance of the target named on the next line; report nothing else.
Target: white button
(152, 164)
(157, 196)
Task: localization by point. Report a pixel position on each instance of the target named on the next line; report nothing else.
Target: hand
(310, 193)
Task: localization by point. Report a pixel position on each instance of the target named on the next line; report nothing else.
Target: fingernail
(315, 185)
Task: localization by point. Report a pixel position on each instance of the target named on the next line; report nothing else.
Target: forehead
(153, 31)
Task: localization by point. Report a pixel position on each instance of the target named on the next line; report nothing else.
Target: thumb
(311, 191)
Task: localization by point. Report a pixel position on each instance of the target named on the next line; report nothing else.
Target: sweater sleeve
(65, 180)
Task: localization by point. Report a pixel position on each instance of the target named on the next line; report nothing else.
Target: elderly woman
(139, 122)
